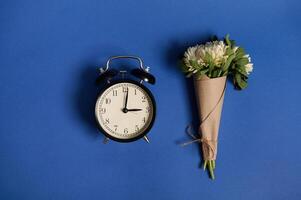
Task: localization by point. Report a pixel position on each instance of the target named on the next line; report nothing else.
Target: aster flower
(249, 68)
(189, 57)
(218, 58)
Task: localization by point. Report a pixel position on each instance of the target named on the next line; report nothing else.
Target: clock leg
(106, 140)
(146, 139)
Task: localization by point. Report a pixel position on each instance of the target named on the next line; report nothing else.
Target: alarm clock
(125, 108)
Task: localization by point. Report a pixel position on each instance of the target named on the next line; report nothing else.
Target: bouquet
(210, 64)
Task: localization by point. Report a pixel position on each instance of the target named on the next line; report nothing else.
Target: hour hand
(134, 109)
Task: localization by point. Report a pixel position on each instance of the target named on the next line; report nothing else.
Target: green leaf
(188, 75)
(232, 43)
(194, 64)
(227, 40)
(228, 62)
(242, 70)
(208, 58)
(202, 72)
(211, 67)
(243, 84)
(215, 73)
(225, 73)
(242, 61)
(240, 52)
(239, 82)
(229, 51)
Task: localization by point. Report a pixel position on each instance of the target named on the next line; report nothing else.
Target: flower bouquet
(210, 64)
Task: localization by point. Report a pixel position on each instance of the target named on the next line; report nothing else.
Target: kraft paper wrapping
(210, 98)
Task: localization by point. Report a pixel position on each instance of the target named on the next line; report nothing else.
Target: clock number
(144, 120)
(136, 128)
(135, 92)
(125, 131)
(125, 89)
(107, 121)
(115, 126)
(108, 100)
(147, 109)
(103, 110)
(143, 99)
(114, 92)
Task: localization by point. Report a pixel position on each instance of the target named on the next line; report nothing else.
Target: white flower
(249, 68)
(190, 55)
(210, 53)
(216, 50)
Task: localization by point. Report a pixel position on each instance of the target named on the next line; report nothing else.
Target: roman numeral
(108, 100)
(114, 92)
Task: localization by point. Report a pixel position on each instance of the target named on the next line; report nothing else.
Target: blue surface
(50, 148)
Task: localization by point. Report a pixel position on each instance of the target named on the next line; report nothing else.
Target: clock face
(125, 111)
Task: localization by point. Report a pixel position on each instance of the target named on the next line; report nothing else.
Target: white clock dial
(124, 110)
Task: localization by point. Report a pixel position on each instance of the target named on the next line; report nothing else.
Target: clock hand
(134, 109)
(126, 98)
(126, 101)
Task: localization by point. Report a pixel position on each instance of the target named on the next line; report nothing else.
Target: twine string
(189, 131)
(195, 138)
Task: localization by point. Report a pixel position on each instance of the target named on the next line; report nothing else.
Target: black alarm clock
(125, 109)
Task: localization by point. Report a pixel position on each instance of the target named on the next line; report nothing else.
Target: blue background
(50, 147)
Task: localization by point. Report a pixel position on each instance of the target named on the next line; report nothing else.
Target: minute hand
(126, 99)
(125, 110)
(134, 109)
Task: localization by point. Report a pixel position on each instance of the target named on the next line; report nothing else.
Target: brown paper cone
(210, 98)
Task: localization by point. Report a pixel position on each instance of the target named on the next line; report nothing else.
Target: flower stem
(205, 164)
(210, 165)
(211, 169)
